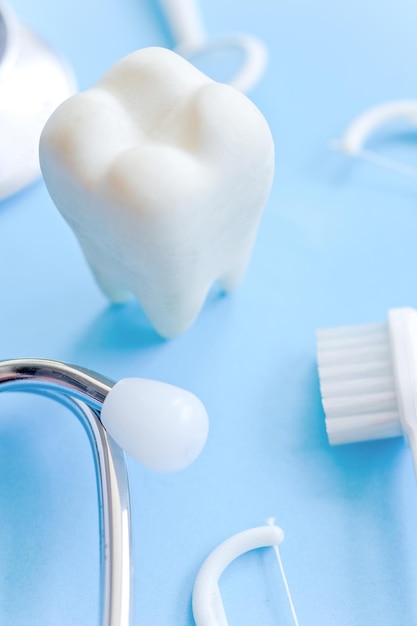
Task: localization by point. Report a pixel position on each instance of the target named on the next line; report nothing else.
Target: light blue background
(337, 245)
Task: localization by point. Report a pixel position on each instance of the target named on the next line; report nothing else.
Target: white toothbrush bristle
(357, 383)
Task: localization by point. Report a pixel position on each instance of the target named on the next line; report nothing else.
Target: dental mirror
(33, 81)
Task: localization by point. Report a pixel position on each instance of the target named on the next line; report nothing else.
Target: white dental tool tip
(368, 379)
(160, 425)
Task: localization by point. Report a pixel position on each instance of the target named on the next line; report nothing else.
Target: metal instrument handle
(83, 392)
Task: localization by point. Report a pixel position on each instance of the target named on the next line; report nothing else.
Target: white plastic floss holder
(361, 128)
(207, 603)
(33, 81)
(186, 25)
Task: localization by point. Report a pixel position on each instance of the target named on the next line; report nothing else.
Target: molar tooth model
(163, 175)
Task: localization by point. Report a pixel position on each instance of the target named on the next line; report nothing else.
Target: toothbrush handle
(412, 442)
(185, 22)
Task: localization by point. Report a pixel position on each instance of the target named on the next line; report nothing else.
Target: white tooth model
(163, 175)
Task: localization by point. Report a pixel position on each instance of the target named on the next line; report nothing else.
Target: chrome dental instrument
(166, 428)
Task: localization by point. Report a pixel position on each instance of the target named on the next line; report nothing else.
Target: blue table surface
(336, 245)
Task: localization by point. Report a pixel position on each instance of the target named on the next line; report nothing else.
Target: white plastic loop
(187, 28)
(361, 128)
(207, 603)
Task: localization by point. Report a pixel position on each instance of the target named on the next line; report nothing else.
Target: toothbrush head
(160, 425)
(357, 383)
(368, 378)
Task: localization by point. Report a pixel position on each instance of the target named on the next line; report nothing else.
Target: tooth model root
(163, 175)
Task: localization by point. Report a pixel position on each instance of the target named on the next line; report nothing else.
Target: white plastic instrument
(208, 606)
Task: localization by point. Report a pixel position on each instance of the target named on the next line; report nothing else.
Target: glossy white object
(33, 81)
(160, 425)
(191, 41)
(207, 603)
(362, 127)
(368, 380)
(163, 175)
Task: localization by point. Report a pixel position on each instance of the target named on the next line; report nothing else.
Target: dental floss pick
(367, 123)
(208, 609)
(187, 27)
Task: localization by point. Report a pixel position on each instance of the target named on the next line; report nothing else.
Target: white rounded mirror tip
(162, 426)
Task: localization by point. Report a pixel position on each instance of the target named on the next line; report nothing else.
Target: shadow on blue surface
(124, 328)
(119, 327)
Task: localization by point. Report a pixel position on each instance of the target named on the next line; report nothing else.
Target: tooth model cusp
(163, 175)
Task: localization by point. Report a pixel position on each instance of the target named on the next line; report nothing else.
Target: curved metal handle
(44, 375)
(83, 392)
